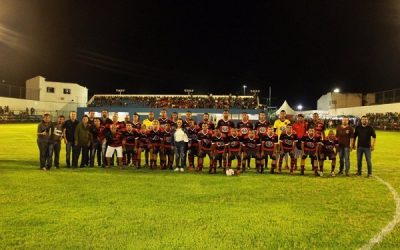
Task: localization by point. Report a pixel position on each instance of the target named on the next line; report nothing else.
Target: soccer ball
(230, 172)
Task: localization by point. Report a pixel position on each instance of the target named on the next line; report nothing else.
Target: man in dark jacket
(82, 138)
(44, 131)
(55, 139)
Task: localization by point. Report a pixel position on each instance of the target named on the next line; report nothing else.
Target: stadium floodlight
(300, 107)
(255, 91)
(189, 91)
(337, 90)
(120, 91)
(244, 89)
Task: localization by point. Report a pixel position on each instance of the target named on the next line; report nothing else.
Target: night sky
(302, 49)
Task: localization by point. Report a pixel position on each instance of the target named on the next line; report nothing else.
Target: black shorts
(193, 151)
(310, 154)
(155, 149)
(203, 153)
(251, 153)
(271, 154)
(327, 155)
(285, 151)
(234, 155)
(218, 156)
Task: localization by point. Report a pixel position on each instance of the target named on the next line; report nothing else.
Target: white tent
(285, 106)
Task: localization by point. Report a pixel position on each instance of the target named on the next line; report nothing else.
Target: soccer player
(82, 138)
(244, 125)
(287, 141)
(269, 142)
(155, 136)
(279, 127)
(300, 128)
(163, 120)
(234, 142)
(318, 125)
(168, 152)
(69, 132)
(91, 117)
(136, 122)
(188, 118)
(193, 144)
(55, 140)
(328, 150)
(225, 125)
(114, 141)
(344, 134)
(44, 131)
(262, 124)
(99, 143)
(149, 121)
(309, 146)
(251, 149)
(105, 121)
(218, 150)
(149, 124)
(174, 119)
(129, 144)
(143, 146)
(204, 138)
(206, 119)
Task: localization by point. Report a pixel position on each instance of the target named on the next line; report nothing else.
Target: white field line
(390, 226)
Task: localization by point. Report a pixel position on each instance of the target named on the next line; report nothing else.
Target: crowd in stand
(189, 102)
(167, 139)
(385, 121)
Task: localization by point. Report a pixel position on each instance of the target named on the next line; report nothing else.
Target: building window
(67, 91)
(50, 90)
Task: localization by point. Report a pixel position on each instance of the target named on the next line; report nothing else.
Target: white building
(332, 100)
(39, 89)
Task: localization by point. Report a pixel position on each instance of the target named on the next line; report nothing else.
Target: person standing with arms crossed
(69, 133)
(365, 144)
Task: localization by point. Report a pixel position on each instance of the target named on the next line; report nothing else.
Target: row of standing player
(222, 143)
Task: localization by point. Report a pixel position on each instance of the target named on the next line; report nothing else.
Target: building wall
(37, 89)
(54, 108)
(339, 100)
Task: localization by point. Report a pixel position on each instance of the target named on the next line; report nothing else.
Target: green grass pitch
(99, 208)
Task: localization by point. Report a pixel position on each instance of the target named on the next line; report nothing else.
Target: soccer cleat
(182, 169)
(333, 174)
(302, 172)
(176, 169)
(321, 173)
(369, 175)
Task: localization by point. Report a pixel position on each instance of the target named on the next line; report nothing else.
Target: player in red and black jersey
(114, 144)
(119, 125)
(204, 138)
(244, 125)
(234, 142)
(328, 149)
(206, 119)
(287, 143)
(168, 149)
(136, 122)
(218, 150)
(129, 144)
(225, 125)
(163, 120)
(269, 142)
(193, 144)
(251, 149)
(188, 118)
(261, 126)
(143, 146)
(318, 125)
(173, 120)
(155, 136)
(309, 146)
(104, 120)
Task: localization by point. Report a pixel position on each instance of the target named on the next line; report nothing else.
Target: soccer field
(112, 208)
